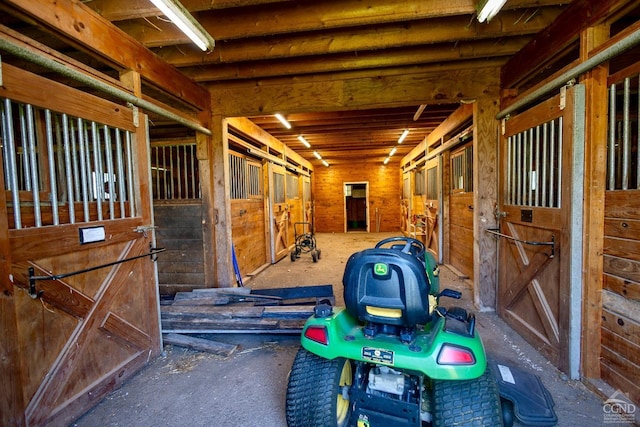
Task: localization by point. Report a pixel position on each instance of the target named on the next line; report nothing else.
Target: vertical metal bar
(131, 198)
(53, 185)
(537, 177)
(545, 181)
(35, 180)
(98, 177)
(514, 170)
(560, 168)
(179, 171)
(74, 161)
(552, 164)
(626, 134)
(196, 190)
(120, 171)
(519, 169)
(164, 172)
(157, 163)
(69, 172)
(109, 158)
(508, 180)
(26, 158)
(9, 147)
(171, 186)
(530, 169)
(185, 178)
(611, 181)
(82, 144)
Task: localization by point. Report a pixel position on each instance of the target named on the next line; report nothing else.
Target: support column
(213, 161)
(485, 185)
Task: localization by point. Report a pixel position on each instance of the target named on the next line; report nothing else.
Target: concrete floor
(189, 388)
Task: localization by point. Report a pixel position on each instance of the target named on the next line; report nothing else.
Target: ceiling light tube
(283, 120)
(324, 162)
(181, 17)
(304, 141)
(386, 160)
(403, 136)
(393, 151)
(318, 156)
(487, 9)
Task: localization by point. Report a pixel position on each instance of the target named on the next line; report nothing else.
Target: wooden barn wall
(461, 232)
(620, 350)
(248, 231)
(384, 194)
(179, 230)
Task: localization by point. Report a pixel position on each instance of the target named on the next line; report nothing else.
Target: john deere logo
(380, 269)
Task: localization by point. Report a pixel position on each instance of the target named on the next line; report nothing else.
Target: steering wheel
(409, 244)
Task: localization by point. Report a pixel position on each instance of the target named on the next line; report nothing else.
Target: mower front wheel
(317, 394)
(467, 402)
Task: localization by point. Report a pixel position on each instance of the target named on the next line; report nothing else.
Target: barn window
(244, 178)
(623, 155)
(293, 191)
(278, 188)
(533, 166)
(174, 172)
(432, 183)
(60, 169)
(419, 183)
(462, 170)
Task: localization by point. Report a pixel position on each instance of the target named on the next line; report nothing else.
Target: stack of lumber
(242, 310)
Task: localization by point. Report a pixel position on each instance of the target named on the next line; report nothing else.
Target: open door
(540, 226)
(278, 212)
(356, 205)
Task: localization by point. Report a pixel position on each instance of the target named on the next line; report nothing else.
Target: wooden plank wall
(179, 230)
(620, 350)
(248, 231)
(384, 194)
(461, 232)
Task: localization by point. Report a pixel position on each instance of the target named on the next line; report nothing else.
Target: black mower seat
(387, 286)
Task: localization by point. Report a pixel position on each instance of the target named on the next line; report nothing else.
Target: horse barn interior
(520, 169)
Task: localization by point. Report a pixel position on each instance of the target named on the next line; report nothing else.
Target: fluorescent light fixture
(304, 141)
(419, 111)
(324, 162)
(283, 120)
(181, 17)
(393, 151)
(386, 160)
(487, 9)
(318, 156)
(403, 136)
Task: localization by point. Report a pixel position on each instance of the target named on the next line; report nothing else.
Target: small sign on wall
(91, 234)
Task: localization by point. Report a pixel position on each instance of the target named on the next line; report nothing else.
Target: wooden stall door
(278, 213)
(74, 339)
(534, 283)
(461, 210)
(432, 206)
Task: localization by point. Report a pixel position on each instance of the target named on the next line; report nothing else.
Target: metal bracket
(35, 294)
(136, 114)
(552, 243)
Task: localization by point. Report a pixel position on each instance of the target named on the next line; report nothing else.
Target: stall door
(432, 222)
(278, 212)
(461, 210)
(75, 205)
(540, 229)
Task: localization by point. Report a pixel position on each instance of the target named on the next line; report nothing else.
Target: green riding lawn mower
(394, 357)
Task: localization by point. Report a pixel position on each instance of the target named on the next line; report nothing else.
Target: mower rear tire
(316, 393)
(467, 402)
(314, 255)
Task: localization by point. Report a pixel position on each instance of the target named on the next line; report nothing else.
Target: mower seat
(388, 287)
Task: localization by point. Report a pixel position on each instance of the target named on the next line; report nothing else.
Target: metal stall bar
(110, 176)
(179, 172)
(560, 142)
(552, 167)
(545, 148)
(84, 173)
(69, 171)
(509, 167)
(35, 184)
(26, 159)
(611, 179)
(120, 172)
(537, 172)
(132, 206)
(98, 177)
(9, 152)
(52, 168)
(626, 134)
(171, 185)
(530, 170)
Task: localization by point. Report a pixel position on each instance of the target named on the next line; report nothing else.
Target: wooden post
(485, 186)
(11, 396)
(217, 205)
(594, 192)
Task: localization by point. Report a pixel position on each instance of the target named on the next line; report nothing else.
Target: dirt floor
(189, 388)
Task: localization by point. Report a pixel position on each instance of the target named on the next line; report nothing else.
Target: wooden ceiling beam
(359, 61)
(82, 25)
(564, 31)
(398, 34)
